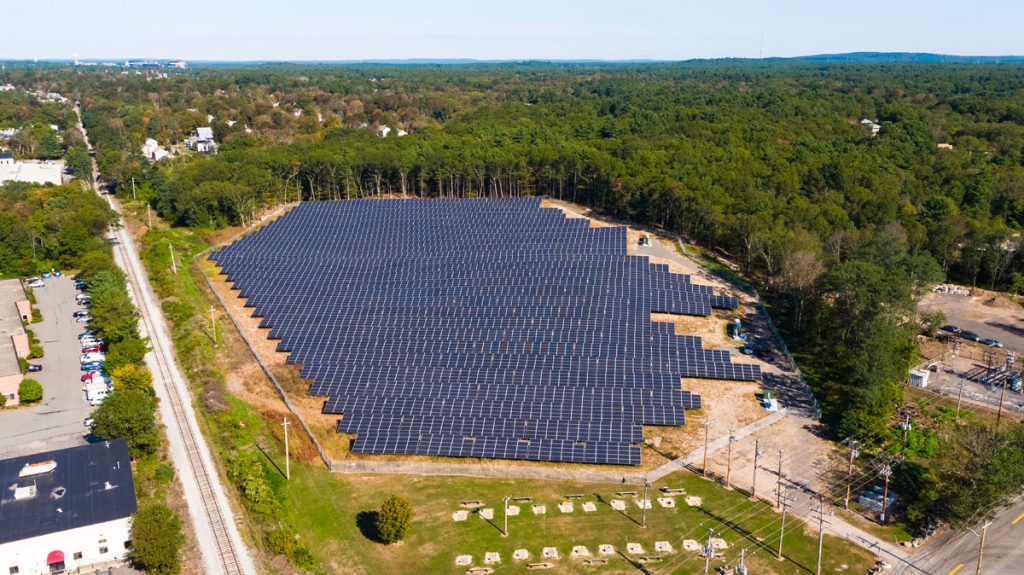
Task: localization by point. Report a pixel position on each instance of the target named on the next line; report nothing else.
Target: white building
(153, 151)
(34, 171)
(875, 126)
(201, 141)
(383, 131)
(66, 511)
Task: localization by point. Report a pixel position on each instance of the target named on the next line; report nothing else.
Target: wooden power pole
(287, 466)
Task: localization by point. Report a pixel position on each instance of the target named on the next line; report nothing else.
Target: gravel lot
(56, 422)
(986, 314)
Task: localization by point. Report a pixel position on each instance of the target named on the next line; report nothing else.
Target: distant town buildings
(66, 511)
(201, 141)
(31, 171)
(383, 131)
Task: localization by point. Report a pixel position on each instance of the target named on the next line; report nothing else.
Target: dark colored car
(80, 313)
(34, 367)
(93, 366)
(969, 335)
(951, 328)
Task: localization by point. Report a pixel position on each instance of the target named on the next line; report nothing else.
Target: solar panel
(477, 328)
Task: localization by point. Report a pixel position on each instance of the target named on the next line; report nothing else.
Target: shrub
(156, 539)
(133, 378)
(393, 519)
(164, 473)
(30, 391)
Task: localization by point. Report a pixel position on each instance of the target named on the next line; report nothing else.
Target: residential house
(201, 141)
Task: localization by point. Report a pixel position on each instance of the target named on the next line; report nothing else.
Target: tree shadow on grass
(366, 521)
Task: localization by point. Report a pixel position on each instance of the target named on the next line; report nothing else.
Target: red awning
(55, 557)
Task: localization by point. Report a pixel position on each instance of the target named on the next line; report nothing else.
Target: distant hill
(913, 57)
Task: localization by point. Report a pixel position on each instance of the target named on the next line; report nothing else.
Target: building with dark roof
(66, 510)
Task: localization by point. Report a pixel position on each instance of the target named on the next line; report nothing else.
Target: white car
(34, 283)
(91, 357)
(83, 318)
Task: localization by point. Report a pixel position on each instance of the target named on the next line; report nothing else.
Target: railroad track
(223, 550)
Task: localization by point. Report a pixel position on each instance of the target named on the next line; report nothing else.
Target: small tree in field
(393, 519)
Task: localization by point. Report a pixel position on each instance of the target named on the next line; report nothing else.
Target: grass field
(328, 508)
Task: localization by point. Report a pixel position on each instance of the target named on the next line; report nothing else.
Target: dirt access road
(987, 314)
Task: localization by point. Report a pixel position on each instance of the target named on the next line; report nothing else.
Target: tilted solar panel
(477, 328)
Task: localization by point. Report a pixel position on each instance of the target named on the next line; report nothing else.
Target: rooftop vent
(58, 492)
(27, 492)
(32, 469)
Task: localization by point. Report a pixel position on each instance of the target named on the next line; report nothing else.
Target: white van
(95, 393)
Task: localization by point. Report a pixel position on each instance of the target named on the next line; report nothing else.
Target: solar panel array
(477, 328)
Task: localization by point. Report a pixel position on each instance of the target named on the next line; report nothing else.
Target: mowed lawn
(327, 510)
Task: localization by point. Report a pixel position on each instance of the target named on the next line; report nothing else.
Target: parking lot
(56, 421)
(986, 314)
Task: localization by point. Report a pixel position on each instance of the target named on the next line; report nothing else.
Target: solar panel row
(477, 328)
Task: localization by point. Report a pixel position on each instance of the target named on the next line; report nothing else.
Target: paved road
(219, 540)
(1004, 553)
(57, 421)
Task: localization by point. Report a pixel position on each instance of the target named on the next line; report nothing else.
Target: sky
(502, 30)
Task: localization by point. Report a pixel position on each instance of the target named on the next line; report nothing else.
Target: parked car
(47, 275)
(34, 283)
(80, 285)
(89, 423)
(82, 299)
(970, 335)
(950, 329)
(992, 342)
(747, 349)
(84, 318)
(33, 367)
(80, 313)
(92, 366)
(91, 357)
(88, 332)
(92, 349)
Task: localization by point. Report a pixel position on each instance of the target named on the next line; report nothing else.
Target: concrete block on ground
(539, 509)
(618, 504)
(512, 510)
(667, 502)
(520, 554)
(605, 549)
(694, 501)
(460, 515)
(549, 553)
(566, 507)
(492, 557)
(634, 549)
(464, 560)
(589, 507)
(663, 547)
(643, 503)
(580, 551)
(719, 544)
(691, 545)
(487, 513)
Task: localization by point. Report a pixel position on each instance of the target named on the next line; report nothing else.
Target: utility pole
(504, 506)
(782, 525)
(707, 425)
(287, 466)
(959, 396)
(643, 506)
(213, 323)
(887, 472)
(906, 434)
(133, 189)
(741, 567)
(981, 546)
(708, 551)
(1002, 396)
(821, 530)
(753, 482)
(854, 452)
(149, 215)
(728, 465)
(778, 489)
(174, 266)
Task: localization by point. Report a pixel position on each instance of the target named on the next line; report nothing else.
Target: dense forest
(844, 190)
